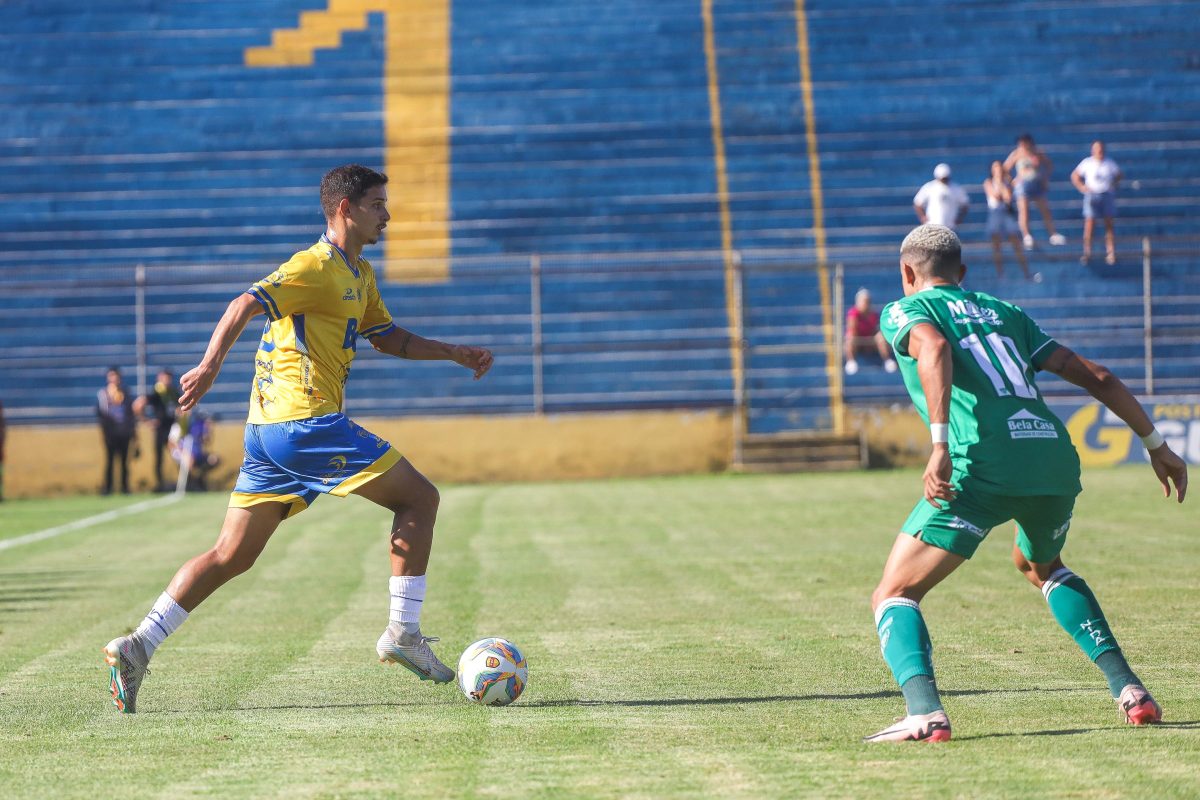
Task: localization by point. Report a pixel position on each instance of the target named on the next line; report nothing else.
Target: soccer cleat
(411, 651)
(1138, 706)
(932, 727)
(1057, 239)
(128, 665)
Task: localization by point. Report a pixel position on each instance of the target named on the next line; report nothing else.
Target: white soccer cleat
(411, 651)
(934, 727)
(889, 366)
(851, 367)
(1137, 706)
(128, 665)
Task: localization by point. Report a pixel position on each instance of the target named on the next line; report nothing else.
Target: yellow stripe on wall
(832, 357)
(733, 319)
(416, 118)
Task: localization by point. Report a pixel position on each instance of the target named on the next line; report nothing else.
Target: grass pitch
(687, 637)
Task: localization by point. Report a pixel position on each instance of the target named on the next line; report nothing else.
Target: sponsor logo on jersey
(962, 525)
(896, 315)
(965, 311)
(349, 295)
(1026, 425)
(338, 465)
(1061, 530)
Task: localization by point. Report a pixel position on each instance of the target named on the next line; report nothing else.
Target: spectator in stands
(862, 333)
(1002, 220)
(941, 201)
(114, 409)
(1096, 178)
(159, 408)
(1031, 180)
(1, 452)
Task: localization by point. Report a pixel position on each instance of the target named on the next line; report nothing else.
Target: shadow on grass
(1189, 725)
(782, 698)
(650, 702)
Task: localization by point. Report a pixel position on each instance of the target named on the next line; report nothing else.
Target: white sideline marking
(87, 522)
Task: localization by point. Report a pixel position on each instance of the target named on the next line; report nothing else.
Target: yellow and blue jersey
(317, 304)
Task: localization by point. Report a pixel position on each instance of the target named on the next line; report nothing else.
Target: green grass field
(687, 637)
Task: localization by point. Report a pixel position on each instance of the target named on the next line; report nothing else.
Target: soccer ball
(492, 672)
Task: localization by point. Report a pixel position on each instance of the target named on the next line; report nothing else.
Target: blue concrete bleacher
(133, 134)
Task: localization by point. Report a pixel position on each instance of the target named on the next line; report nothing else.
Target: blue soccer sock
(904, 642)
(1075, 607)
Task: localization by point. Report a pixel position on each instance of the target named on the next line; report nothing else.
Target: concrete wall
(43, 461)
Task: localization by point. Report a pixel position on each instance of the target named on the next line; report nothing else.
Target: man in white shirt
(1096, 178)
(941, 201)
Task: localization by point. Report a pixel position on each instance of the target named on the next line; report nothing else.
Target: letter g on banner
(1099, 445)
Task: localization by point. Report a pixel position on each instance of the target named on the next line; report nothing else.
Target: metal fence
(583, 333)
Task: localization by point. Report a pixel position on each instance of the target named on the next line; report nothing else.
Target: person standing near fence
(118, 426)
(158, 407)
(1031, 181)
(941, 200)
(1002, 220)
(1096, 178)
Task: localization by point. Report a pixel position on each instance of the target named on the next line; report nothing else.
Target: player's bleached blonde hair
(932, 250)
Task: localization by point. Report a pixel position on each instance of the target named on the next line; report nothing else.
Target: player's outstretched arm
(199, 380)
(1098, 381)
(936, 370)
(406, 344)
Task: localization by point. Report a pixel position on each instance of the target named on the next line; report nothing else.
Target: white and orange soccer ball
(492, 672)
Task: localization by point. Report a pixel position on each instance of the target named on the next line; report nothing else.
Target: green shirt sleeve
(1040, 345)
(897, 319)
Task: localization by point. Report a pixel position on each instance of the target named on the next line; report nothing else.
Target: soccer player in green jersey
(999, 454)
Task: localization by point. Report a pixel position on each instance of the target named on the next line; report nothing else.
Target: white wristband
(1153, 440)
(939, 432)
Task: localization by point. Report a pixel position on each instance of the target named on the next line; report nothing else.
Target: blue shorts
(1001, 223)
(293, 462)
(1031, 188)
(1099, 206)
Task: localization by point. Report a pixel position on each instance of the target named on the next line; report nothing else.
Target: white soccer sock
(164, 618)
(408, 595)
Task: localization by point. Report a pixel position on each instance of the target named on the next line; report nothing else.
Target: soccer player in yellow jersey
(298, 442)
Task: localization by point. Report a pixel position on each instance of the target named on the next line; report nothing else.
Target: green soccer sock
(904, 641)
(1078, 612)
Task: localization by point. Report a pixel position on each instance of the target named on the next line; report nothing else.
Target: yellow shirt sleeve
(294, 288)
(376, 320)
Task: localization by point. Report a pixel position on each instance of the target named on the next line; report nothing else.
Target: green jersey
(1003, 437)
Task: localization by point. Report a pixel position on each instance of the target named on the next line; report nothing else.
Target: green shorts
(962, 523)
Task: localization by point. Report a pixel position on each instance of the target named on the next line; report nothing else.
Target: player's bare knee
(232, 561)
(885, 590)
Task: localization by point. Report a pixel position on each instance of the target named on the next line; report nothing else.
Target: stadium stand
(585, 223)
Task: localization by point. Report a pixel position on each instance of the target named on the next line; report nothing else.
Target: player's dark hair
(351, 181)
